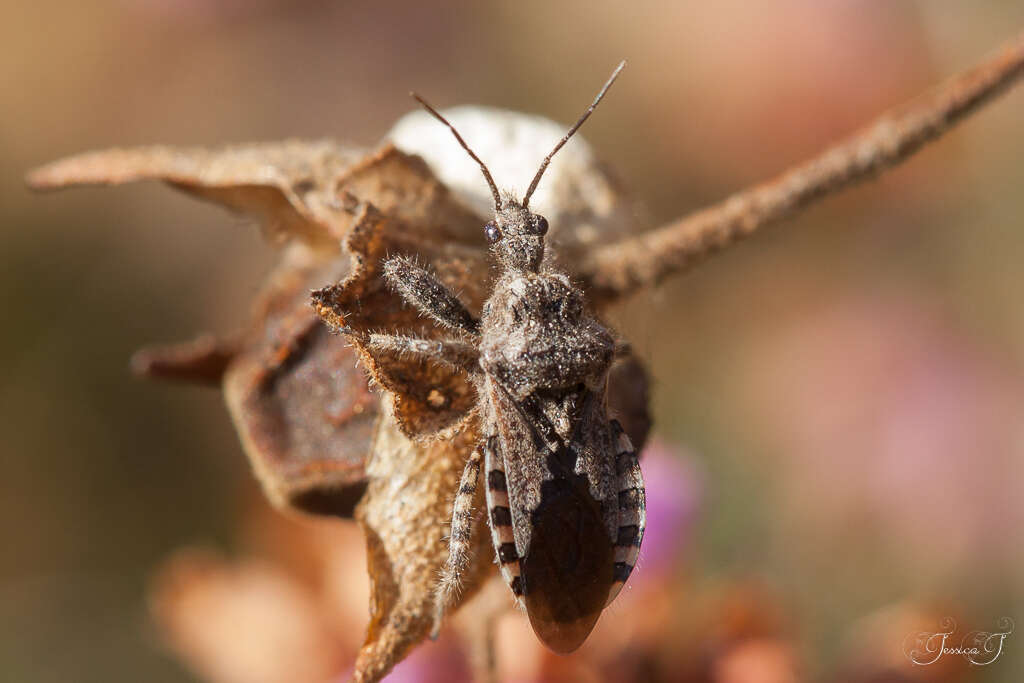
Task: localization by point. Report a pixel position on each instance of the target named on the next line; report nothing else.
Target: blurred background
(838, 401)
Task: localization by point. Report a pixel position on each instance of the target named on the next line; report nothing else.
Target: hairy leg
(459, 540)
(457, 354)
(428, 294)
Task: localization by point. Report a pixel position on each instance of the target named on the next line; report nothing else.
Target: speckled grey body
(565, 496)
(545, 363)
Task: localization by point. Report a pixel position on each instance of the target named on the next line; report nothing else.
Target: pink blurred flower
(894, 425)
(673, 500)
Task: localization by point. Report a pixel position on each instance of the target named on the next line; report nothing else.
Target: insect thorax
(537, 336)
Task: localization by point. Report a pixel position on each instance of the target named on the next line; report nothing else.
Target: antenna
(576, 126)
(483, 166)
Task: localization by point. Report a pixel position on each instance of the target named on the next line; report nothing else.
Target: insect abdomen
(568, 570)
(500, 516)
(578, 549)
(632, 510)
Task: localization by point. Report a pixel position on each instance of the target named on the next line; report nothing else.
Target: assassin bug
(565, 496)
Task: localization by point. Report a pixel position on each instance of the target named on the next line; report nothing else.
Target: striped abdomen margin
(500, 516)
(632, 510)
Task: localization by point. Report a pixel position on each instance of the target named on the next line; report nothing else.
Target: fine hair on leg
(459, 540)
(457, 354)
(422, 290)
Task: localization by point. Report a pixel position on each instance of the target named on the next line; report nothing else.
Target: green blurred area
(852, 382)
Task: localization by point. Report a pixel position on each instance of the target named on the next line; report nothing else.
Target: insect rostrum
(565, 496)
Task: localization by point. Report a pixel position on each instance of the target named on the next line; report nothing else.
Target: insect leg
(632, 509)
(458, 543)
(428, 294)
(458, 354)
(500, 515)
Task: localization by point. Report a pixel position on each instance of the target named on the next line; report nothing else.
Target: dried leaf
(204, 360)
(288, 185)
(303, 411)
(302, 408)
(410, 213)
(428, 397)
(403, 187)
(404, 514)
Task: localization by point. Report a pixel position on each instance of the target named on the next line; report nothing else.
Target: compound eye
(492, 232)
(541, 225)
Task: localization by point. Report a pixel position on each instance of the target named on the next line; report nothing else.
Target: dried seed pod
(302, 408)
(311, 425)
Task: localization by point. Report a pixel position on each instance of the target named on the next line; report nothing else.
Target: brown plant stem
(618, 269)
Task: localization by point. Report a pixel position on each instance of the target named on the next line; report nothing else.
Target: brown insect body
(565, 497)
(553, 484)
